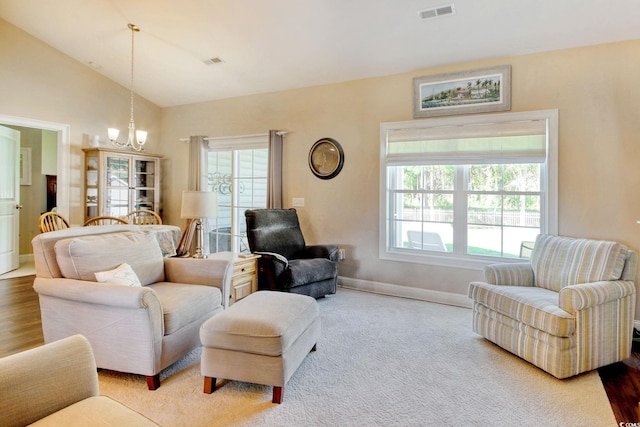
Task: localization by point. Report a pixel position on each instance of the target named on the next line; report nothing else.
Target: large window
(237, 170)
(467, 191)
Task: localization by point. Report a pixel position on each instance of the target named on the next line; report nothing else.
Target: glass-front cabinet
(117, 182)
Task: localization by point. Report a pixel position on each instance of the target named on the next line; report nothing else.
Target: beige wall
(38, 82)
(595, 90)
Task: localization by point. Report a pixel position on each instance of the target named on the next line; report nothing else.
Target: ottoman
(261, 339)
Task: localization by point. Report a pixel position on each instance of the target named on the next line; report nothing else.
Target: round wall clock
(326, 158)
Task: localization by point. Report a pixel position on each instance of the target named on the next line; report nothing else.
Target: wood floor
(20, 329)
(621, 381)
(20, 326)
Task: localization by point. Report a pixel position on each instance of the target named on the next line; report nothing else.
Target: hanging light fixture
(136, 138)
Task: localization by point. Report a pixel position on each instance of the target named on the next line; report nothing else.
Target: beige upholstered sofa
(57, 385)
(135, 329)
(569, 310)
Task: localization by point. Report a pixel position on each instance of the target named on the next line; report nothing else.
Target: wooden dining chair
(52, 221)
(143, 217)
(105, 220)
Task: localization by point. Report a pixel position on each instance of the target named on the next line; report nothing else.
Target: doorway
(63, 152)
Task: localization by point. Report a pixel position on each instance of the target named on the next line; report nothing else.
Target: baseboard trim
(439, 297)
(25, 258)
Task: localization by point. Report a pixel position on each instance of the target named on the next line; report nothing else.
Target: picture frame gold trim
(465, 92)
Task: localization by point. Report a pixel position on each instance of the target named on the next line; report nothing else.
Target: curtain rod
(213, 138)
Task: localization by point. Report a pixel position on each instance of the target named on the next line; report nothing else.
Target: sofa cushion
(43, 245)
(536, 307)
(183, 304)
(82, 257)
(516, 331)
(562, 261)
(264, 322)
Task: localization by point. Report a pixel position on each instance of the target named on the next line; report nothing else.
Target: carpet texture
(381, 361)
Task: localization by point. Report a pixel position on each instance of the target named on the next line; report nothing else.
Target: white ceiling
(271, 45)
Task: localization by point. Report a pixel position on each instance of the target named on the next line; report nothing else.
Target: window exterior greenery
(468, 191)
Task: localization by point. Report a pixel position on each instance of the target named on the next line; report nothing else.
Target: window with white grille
(467, 190)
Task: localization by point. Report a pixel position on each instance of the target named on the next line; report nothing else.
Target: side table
(244, 280)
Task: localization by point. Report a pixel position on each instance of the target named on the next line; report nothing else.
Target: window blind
(243, 142)
(500, 142)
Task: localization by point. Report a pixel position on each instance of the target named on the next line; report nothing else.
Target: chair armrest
(270, 267)
(124, 324)
(319, 251)
(96, 293)
(38, 382)
(209, 272)
(578, 297)
(274, 257)
(518, 274)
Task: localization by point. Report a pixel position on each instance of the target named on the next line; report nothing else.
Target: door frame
(63, 131)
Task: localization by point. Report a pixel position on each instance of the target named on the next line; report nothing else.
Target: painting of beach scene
(464, 92)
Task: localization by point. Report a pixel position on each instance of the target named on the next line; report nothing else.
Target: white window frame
(549, 185)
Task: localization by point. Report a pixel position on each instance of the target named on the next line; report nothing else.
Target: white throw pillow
(121, 275)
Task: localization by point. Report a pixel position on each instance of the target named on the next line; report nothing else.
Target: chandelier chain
(136, 139)
(133, 30)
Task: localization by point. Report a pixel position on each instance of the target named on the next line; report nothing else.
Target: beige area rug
(381, 361)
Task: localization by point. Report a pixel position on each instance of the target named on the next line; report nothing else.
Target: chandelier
(136, 138)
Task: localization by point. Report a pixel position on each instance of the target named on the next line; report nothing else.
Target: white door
(9, 199)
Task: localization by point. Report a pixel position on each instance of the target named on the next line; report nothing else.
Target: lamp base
(199, 239)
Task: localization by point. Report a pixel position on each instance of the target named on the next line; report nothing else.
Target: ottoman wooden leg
(209, 385)
(277, 394)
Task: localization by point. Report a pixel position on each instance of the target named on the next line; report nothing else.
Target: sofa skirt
(555, 355)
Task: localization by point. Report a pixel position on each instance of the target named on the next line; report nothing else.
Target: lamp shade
(113, 133)
(199, 204)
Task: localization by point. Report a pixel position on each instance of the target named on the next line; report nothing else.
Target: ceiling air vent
(213, 61)
(436, 12)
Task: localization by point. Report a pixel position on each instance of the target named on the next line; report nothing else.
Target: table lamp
(199, 205)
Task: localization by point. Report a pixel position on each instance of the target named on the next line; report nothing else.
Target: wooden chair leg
(209, 385)
(277, 394)
(153, 381)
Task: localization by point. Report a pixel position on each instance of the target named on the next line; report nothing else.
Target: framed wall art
(474, 91)
(326, 158)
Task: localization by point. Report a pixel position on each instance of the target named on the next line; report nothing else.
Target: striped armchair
(569, 310)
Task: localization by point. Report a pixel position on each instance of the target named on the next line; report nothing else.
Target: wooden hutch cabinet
(117, 182)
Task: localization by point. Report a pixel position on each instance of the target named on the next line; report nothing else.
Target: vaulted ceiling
(271, 45)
